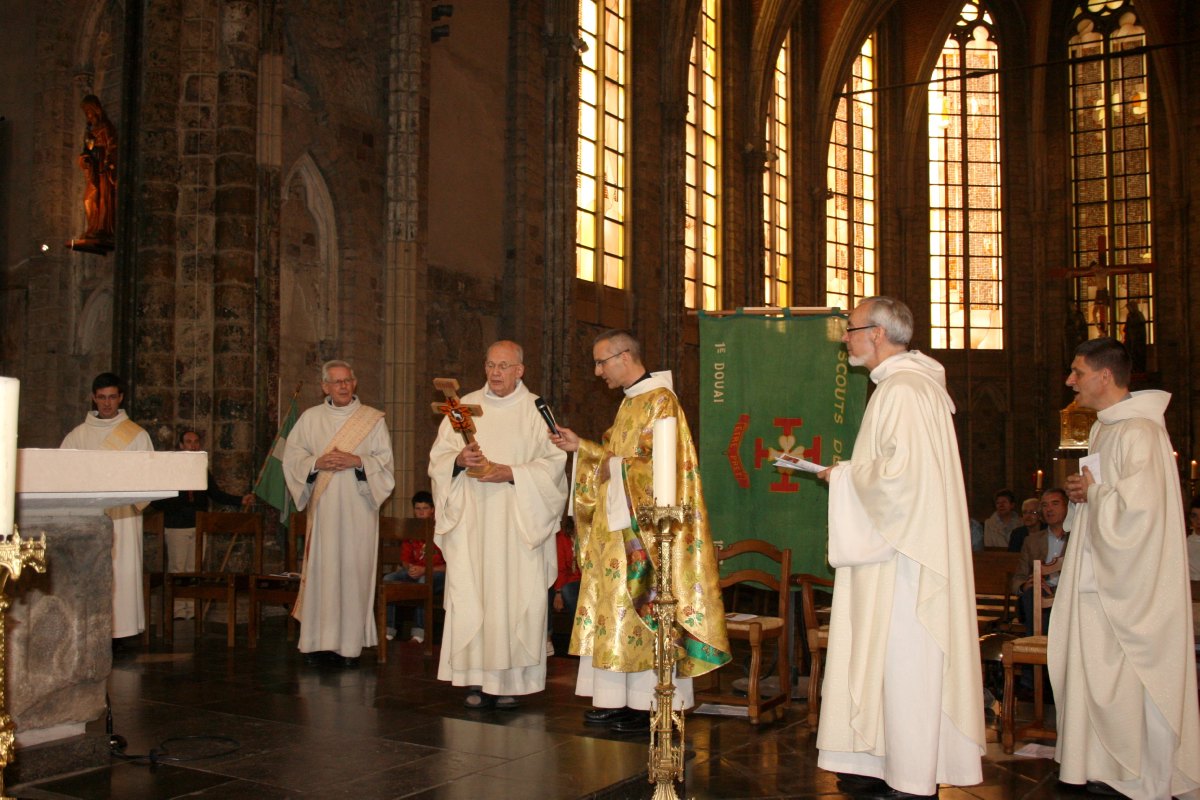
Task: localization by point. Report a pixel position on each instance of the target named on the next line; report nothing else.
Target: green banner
(772, 385)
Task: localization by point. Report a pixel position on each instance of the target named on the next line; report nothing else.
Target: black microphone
(547, 414)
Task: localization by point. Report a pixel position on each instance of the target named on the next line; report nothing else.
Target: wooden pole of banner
(770, 311)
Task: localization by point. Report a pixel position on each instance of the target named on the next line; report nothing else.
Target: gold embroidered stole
(121, 436)
(348, 437)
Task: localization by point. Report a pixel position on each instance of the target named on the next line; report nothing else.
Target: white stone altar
(60, 623)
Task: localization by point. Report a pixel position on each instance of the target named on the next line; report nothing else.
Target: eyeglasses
(601, 361)
(341, 382)
(860, 328)
(503, 366)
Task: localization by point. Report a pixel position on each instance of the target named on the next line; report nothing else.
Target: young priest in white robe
(1120, 647)
(109, 428)
(902, 697)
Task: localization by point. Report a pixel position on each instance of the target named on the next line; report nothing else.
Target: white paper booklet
(798, 464)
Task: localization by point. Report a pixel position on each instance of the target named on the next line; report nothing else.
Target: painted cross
(460, 416)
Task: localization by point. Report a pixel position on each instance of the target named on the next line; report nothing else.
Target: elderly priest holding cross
(499, 487)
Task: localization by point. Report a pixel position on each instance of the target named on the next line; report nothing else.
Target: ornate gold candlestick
(666, 725)
(15, 554)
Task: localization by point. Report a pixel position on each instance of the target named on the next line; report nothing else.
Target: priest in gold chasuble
(613, 632)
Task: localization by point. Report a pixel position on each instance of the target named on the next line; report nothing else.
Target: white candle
(9, 393)
(665, 436)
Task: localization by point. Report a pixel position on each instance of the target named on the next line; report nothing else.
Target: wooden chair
(218, 583)
(152, 525)
(995, 603)
(279, 589)
(1029, 650)
(816, 594)
(393, 532)
(757, 630)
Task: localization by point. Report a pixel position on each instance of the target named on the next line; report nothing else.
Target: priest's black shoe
(317, 658)
(349, 662)
(865, 786)
(607, 716)
(852, 783)
(637, 722)
(1101, 788)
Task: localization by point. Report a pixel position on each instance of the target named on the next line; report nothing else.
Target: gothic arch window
(777, 176)
(602, 169)
(1110, 167)
(701, 209)
(850, 187)
(966, 266)
(308, 273)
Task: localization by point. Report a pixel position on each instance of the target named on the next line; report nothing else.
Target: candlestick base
(666, 725)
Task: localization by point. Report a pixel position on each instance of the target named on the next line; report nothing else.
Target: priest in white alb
(107, 427)
(902, 699)
(496, 530)
(1120, 648)
(338, 466)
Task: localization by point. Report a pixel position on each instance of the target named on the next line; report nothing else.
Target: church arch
(308, 279)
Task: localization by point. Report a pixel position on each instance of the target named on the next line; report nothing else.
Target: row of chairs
(815, 594)
(235, 539)
(995, 606)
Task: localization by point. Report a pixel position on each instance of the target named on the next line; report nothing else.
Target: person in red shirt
(564, 594)
(416, 566)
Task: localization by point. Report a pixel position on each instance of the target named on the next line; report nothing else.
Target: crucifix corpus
(460, 417)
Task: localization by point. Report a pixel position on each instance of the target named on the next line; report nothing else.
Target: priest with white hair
(902, 707)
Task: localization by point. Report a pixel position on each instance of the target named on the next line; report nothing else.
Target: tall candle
(9, 393)
(1195, 470)
(665, 436)
(1039, 479)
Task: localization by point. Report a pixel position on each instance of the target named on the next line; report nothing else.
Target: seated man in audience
(564, 594)
(999, 525)
(1030, 522)
(416, 566)
(1046, 546)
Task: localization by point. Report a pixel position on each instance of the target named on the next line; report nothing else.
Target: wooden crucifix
(460, 417)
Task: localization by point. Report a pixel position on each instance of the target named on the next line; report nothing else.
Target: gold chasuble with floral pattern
(614, 621)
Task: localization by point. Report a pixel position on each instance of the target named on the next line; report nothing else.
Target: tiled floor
(391, 731)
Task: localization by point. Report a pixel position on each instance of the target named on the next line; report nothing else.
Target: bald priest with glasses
(499, 500)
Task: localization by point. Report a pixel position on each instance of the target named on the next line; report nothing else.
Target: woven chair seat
(767, 623)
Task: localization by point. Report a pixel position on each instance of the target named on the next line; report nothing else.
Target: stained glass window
(601, 178)
(777, 176)
(850, 188)
(1110, 167)
(966, 265)
(702, 211)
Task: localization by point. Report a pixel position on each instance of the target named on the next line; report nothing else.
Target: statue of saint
(98, 160)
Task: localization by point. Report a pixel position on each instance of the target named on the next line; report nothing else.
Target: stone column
(675, 42)
(235, 248)
(145, 281)
(561, 131)
(408, 175)
(267, 394)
